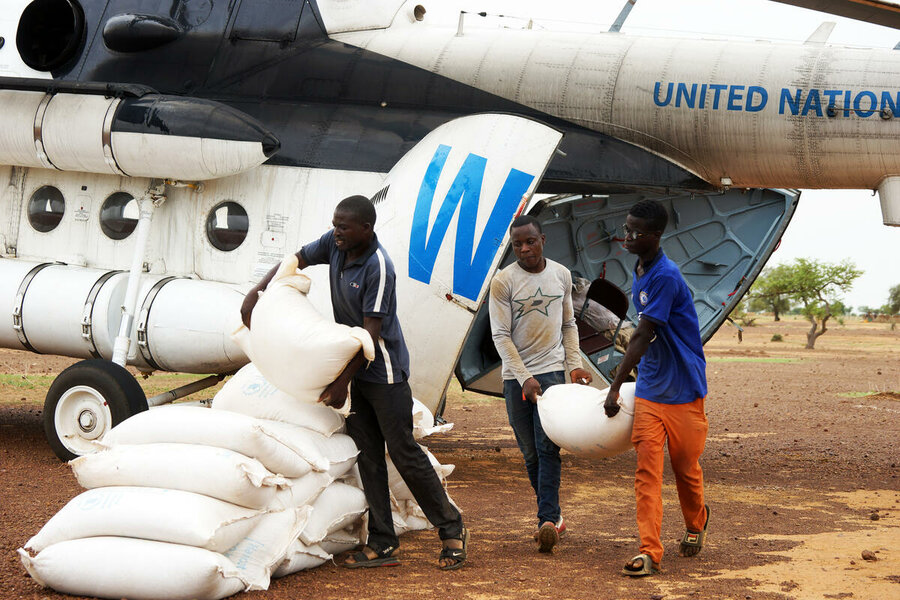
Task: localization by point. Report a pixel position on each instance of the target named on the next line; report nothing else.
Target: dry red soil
(801, 473)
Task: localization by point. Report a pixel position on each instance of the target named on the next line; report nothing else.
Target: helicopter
(161, 155)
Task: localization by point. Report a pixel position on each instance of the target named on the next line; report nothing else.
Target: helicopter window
(46, 208)
(226, 226)
(119, 215)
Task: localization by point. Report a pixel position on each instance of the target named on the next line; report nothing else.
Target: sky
(829, 225)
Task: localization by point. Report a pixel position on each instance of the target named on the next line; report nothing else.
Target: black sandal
(458, 555)
(383, 558)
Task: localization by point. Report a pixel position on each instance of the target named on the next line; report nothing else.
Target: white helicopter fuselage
(742, 114)
(682, 121)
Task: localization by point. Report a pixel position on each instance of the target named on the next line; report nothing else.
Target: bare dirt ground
(801, 470)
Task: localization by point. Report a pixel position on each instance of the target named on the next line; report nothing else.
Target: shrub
(777, 338)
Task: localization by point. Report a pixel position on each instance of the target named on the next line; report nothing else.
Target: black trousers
(382, 413)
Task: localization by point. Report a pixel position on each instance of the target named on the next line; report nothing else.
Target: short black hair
(525, 220)
(360, 207)
(651, 211)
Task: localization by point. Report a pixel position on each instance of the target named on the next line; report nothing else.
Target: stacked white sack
(292, 345)
(574, 418)
(337, 522)
(215, 525)
(334, 522)
(314, 460)
(248, 393)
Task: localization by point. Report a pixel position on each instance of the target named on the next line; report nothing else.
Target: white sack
(301, 491)
(337, 452)
(301, 557)
(423, 421)
(265, 548)
(414, 516)
(114, 567)
(292, 345)
(247, 392)
(149, 513)
(216, 472)
(340, 541)
(573, 417)
(283, 449)
(337, 506)
(399, 488)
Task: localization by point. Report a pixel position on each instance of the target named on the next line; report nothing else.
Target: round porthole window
(119, 215)
(226, 226)
(46, 208)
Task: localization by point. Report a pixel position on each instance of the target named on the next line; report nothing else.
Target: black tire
(85, 401)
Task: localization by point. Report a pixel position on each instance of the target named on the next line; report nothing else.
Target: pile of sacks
(186, 502)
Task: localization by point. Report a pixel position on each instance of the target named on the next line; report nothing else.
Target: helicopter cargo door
(443, 215)
(720, 242)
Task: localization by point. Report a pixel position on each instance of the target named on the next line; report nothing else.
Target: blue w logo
(469, 269)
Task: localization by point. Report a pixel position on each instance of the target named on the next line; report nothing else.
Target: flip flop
(456, 554)
(693, 541)
(648, 567)
(361, 560)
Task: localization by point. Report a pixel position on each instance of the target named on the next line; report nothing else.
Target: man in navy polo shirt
(363, 295)
(670, 390)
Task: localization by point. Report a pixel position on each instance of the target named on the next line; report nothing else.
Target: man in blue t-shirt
(670, 390)
(362, 281)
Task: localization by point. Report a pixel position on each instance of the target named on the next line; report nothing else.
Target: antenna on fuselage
(623, 14)
(462, 17)
(821, 34)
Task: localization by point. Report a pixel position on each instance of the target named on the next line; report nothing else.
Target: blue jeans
(541, 455)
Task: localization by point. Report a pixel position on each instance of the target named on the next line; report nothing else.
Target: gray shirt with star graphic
(532, 321)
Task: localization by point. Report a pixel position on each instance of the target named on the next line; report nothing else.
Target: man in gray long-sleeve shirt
(533, 327)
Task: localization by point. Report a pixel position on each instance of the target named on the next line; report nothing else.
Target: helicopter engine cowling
(152, 135)
(182, 324)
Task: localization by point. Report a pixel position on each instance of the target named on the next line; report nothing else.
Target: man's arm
(640, 341)
(500, 309)
(252, 296)
(336, 393)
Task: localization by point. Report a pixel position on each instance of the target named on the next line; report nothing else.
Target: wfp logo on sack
(470, 268)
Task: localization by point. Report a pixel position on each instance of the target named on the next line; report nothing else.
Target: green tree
(816, 286)
(740, 316)
(770, 292)
(893, 303)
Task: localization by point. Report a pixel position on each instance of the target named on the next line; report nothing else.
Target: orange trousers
(685, 427)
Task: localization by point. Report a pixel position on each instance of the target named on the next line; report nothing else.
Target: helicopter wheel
(87, 400)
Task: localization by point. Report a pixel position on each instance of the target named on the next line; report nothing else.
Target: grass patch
(16, 388)
(750, 359)
(25, 382)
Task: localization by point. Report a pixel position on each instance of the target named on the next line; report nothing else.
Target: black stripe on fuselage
(337, 106)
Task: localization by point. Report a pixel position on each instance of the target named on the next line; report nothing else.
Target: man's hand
(247, 306)
(335, 394)
(610, 406)
(531, 389)
(581, 376)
